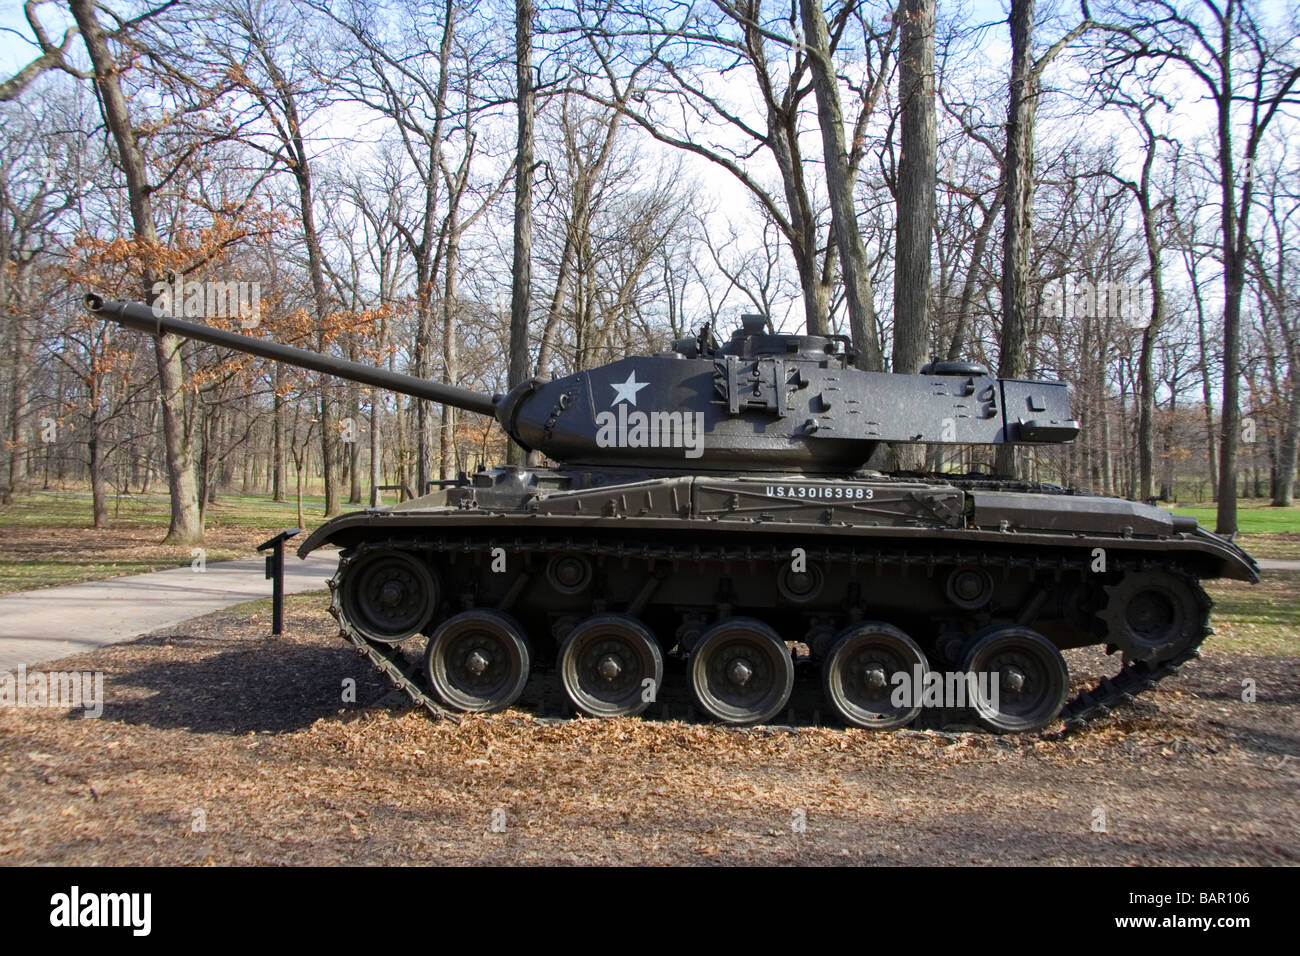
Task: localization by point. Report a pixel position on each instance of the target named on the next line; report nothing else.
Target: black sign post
(275, 572)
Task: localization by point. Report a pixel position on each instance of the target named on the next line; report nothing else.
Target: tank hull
(914, 573)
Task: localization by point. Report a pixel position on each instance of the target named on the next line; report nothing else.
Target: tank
(710, 539)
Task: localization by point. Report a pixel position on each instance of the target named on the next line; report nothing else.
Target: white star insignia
(627, 390)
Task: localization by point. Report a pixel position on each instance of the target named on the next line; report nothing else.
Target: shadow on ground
(271, 685)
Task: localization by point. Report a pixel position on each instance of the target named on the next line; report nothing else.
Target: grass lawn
(1254, 516)
(1257, 619)
(1285, 546)
(71, 509)
(45, 537)
(1265, 532)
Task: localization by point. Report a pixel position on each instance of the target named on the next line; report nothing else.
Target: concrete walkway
(50, 623)
(1277, 564)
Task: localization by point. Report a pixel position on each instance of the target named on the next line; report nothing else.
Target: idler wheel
(1152, 615)
(568, 573)
(741, 672)
(478, 661)
(605, 663)
(1016, 678)
(858, 676)
(388, 595)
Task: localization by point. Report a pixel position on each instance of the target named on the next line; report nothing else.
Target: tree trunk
(277, 440)
(521, 268)
(1234, 239)
(20, 395)
(1207, 387)
(423, 369)
(916, 186)
(966, 307)
(1012, 361)
(839, 180)
(450, 358)
(95, 446)
(1107, 457)
(185, 526)
(316, 270)
(376, 469)
(547, 345)
(915, 200)
(1146, 377)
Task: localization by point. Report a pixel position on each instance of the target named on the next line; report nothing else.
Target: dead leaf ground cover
(213, 722)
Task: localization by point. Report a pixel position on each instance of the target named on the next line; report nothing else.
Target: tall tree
(1250, 78)
(1017, 207)
(854, 266)
(1018, 170)
(262, 50)
(521, 274)
(916, 185)
(915, 192)
(410, 83)
(186, 526)
(1150, 207)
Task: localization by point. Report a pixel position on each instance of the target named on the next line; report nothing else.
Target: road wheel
(611, 666)
(478, 661)
(858, 676)
(1016, 679)
(741, 672)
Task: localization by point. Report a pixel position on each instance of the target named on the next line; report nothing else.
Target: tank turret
(761, 400)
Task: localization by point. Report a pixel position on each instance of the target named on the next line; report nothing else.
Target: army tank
(709, 532)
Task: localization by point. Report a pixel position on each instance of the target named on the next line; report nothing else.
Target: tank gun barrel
(142, 318)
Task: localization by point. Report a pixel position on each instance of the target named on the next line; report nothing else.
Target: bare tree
(1150, 208)
(521, 268)
(916, 186)
(186, 522)
(676, 52)
(1017, 230)
(1274, 262)
(839, 182)
(263, 48)
(52, 56)
(1250, 78)
(588, 144)
(32, 200)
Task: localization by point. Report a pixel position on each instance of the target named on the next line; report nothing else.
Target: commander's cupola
(753, 340)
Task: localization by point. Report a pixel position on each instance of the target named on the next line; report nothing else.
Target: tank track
(1088, 706)
(389, 660)
(1110, 693)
